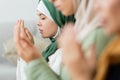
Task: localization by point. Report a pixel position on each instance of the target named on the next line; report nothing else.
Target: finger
(29, 35)
(22, 29)
(93, 54)
(65, 35)
(80, 51)
(91, 59)
(23, 34)
(92, 51)
(17, 38)
(17, 32)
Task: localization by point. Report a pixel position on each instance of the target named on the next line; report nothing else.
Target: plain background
(11, 10)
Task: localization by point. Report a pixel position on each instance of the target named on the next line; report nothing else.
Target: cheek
(71, 5)
(47, 27)
(115, 15)
(50, 27)
(67, 4)
(68, 10)
(53, 28)
(113, 28)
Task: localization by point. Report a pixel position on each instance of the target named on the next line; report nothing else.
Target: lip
(41, 31)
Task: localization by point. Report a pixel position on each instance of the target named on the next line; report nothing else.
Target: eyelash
(42, 18)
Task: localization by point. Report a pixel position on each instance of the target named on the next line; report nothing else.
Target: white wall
(11, 10)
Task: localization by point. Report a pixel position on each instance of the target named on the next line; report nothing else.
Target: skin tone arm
(80, 66)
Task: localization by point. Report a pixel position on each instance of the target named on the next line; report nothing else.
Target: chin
(43, 36)
(66, 13)
(109, 32)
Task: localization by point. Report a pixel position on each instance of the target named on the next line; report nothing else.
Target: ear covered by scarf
(108, 67)
(51, 12)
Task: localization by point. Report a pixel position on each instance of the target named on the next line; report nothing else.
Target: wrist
(34, 57)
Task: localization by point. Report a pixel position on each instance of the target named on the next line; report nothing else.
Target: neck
(57, 33)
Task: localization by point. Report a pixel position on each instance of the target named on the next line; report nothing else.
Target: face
(65, 6)
(109, 11)
(46, 26)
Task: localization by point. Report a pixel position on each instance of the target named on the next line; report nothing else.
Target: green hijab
(60, 20)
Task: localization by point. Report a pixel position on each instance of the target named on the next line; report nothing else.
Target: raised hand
(29, 35)
(79, 65)
(26, 50)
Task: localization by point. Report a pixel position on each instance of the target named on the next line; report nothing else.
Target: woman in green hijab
(52, 54)
(58, 18)
(50, 24)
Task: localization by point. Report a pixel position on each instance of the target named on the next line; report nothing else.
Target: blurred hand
(29, 35)
(78, 64)
(26, 50)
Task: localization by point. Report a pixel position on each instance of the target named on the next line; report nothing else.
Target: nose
(97, 6)
(39, 23)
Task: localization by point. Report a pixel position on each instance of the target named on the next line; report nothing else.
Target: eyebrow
(40, 14)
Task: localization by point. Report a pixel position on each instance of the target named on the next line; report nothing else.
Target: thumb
(91, 57)
(91, 52)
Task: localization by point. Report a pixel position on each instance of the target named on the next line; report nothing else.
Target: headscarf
(86, 19)
(51, 12)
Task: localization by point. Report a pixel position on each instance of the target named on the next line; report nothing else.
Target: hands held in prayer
(78, 64)
(29, 35)
(24, 42)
